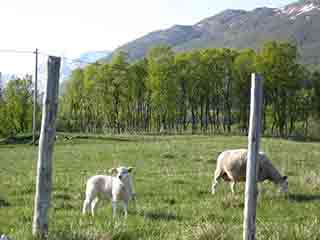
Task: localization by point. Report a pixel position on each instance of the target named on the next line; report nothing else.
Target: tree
(71, 107)
(118, 89)
(16, 106)
(163, 85)
(278, 62)
(138, 96)
(244, 66)
(316, 85)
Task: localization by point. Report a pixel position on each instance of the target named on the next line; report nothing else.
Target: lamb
(117, 187)
(4, 237)
(231, 166)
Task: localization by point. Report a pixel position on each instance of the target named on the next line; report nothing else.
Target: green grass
(172, 180)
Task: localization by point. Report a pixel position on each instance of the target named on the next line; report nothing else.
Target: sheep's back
(233, 162)
(101, 184)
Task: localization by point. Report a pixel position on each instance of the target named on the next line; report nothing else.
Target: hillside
(298, 23)
(68, 65)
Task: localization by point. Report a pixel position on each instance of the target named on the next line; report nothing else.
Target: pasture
(172, 178)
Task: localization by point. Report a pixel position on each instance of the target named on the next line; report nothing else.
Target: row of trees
(16, 104)
(202, 90)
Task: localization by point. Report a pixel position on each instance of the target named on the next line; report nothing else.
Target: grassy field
(172, 180)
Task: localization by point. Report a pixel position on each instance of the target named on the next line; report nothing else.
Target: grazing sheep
(231, 166)
(4, 237)
(117, 187)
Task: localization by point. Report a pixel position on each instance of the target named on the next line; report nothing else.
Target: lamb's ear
(113, 171)
(130, 169)
(284, 178)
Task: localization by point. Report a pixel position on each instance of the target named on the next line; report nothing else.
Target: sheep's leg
(87, 204)
(94, 205)
(134, 201)
(114, 208)
(90, 195)
(125, 208)
(217, 175)
(233, 181)
(232, 185)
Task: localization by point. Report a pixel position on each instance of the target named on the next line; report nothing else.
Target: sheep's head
(121, 172)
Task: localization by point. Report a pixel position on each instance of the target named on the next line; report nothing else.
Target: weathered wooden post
(46, 143)
(35, 92)
(249, 224)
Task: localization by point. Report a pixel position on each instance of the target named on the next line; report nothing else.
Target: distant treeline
(200, 91)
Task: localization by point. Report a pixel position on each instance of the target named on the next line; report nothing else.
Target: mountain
(5, 77)
(68, 65)
(298, 23)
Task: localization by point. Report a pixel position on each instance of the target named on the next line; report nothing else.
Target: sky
(70, 27)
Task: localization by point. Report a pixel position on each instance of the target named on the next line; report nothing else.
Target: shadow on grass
(301, 198)
(64, 235)
(123, 236)
(4, 203)
(63, 138)
(170, 201)
(160, 216)
(63, 206)
(204, 192)
(62, 196)
(115, 138)
(232, 204)
(21, 139)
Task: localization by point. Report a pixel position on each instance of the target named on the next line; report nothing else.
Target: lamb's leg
(94, 205)
(114, 208)
(232, 185)
(125, 208)
(217, 175)
(90, 195)
(86, 206)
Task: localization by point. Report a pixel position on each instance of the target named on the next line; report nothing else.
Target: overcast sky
(70, 27)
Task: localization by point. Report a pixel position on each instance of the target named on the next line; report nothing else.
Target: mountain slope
(68, 65)
(298, 23)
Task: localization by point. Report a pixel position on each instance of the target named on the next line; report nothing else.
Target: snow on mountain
(294, 10)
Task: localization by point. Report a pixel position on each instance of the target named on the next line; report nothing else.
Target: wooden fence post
(35, 93)
(249, 224)
(46, 143)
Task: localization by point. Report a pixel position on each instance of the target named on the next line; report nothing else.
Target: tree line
(200, 91)
(16, 106)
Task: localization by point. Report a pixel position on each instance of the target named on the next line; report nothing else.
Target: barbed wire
(14, 51)
(71, 60)
(64, 58)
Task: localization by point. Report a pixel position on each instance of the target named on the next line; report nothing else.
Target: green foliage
(207, 89)
(278, 63)
(162, 84)
(316, 86)
(244, 65)
(16, 106)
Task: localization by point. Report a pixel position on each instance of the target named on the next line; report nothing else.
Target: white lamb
(4, 237)
(117, 187)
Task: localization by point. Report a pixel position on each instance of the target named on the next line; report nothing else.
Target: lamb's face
(121, 173)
